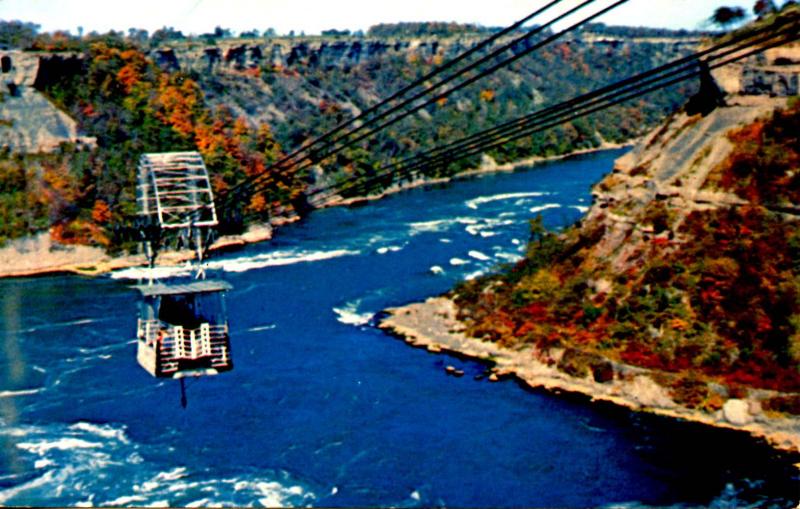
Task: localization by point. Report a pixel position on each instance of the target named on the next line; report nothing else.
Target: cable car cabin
(183, 329)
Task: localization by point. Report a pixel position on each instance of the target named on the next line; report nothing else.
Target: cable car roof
(174, 188)
(203, 286)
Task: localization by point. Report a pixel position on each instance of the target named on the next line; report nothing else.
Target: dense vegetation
(425, 29)
(624, 31)
(119, 95)
(713, 298)
(763, 167)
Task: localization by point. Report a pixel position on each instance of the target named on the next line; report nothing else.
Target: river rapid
(324, 409)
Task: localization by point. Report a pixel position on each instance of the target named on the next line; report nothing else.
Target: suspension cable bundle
(331, 144)
(737, 48)
(782, 30)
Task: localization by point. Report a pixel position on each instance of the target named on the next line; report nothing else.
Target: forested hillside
(243, 116)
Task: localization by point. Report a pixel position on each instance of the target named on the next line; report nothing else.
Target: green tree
(17, 34)
(725, 17)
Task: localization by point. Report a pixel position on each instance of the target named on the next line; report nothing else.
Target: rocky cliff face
(231, 71)
(288, 52)
(670, 166)
(18, 67)
(774, 73)
(28, 121)
(673, 163)
(239, 55)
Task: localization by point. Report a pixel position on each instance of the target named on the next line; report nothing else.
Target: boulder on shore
(737, 411)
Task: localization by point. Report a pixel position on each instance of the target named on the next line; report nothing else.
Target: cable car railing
(174, 344)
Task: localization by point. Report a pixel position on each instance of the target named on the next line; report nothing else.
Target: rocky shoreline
(433, 325)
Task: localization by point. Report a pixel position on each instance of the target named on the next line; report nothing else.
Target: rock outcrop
(672, 164)
(288, 52)
(29, 122)
(350, 51)
(774, 73)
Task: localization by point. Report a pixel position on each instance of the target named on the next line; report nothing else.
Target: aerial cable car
(182, 330)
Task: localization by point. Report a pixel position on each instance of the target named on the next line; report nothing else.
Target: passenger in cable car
(180, 310)
(190, 310)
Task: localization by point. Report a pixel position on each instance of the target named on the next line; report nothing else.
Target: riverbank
(433, 325)
(488, 167)
(38, 255)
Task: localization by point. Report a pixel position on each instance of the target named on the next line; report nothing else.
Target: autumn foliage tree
(132, 107)
(764, 7)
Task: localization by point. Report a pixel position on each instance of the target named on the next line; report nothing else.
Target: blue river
(324, 409)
